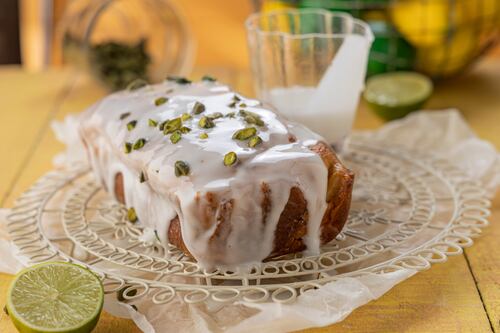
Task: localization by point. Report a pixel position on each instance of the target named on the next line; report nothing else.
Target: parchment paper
(442, 132)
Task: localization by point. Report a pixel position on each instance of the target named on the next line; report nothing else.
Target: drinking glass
(310, 64)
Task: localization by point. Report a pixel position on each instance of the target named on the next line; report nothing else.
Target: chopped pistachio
(178, 79)
(186, 116)
(208, 78)
(181, 168)
(136, 84)
(162, 125)
(131, 215)
(198, 108)
(161, 100)
(131, 125)
(175, 137)
(185, 130)
(142, 177)
(124, 115)
(215, 115)
(254, 141)
(203, 135)
(232, 104)
(206, 122)
(230, 158)
(172, 125)
(139, 144)
(152, 123)
(230, 115)
(127, 147)
(251, 118)
(245, 133)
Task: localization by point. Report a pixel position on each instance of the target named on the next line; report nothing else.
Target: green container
(390, 51)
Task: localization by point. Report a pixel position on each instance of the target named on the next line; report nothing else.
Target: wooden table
(461, 295)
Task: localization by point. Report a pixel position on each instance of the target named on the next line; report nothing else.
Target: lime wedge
(394, 95)
(55, 297)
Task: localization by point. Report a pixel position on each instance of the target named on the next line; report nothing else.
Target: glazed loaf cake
(226, 180)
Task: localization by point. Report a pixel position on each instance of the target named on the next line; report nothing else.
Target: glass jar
(310, 64)
(120, 41)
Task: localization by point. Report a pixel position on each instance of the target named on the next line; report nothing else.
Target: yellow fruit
(280, 22)
(271, 5)
(485, 14)
(427, 23)
(451, 56)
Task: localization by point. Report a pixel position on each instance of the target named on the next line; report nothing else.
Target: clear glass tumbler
(310, 64)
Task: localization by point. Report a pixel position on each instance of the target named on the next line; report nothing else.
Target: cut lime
(394, 95)
(55, 297)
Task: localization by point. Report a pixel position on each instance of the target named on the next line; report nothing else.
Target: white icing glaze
(276, 162)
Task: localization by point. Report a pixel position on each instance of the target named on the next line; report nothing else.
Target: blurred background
(152, 38)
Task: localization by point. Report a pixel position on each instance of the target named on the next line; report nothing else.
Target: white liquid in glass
(330, 107)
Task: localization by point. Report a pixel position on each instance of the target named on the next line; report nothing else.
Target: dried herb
(131, 215)
(139, 144)
(203, 135)
(127, 147)
(124, 115)
(161, 100)
(131, 125)
(230, 115)
(198, 108)
(232, 104)
(142, 177)
(181, 168)
(208, 78)
(175, 137)
(172, 125)
(245, 133)
(254, 141)
(120, 64)
(236, 98)
(242, 105)
(152, 123)
(186, 116)
(206, 122)
(230, 158)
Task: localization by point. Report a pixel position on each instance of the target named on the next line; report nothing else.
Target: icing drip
(243, 238)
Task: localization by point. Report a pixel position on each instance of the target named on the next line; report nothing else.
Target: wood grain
(462, 295)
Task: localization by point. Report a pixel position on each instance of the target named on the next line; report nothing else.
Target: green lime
(55, 297)
(394, 95)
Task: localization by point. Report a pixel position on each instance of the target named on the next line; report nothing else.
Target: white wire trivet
(409, 210)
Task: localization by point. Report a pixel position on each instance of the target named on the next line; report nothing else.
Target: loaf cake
(222, 177)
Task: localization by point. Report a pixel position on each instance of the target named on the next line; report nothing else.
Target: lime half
(55, 297)
(394, 95)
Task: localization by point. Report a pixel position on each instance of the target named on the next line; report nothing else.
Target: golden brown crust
(292, 224)
(338, 195)
(119, 189)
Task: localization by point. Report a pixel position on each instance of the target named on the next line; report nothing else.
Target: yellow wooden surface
(462, 295)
